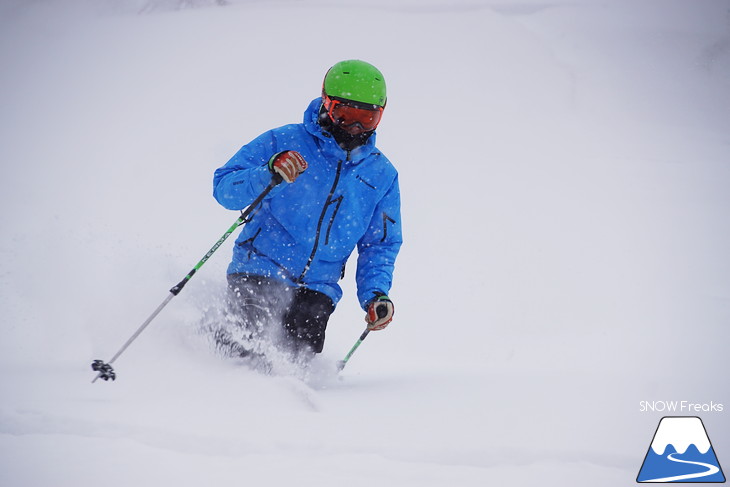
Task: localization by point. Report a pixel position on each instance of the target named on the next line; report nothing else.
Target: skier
(338, 192)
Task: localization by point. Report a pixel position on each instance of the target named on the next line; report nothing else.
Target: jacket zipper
(321, 219)
(386, 219)
(337, 200)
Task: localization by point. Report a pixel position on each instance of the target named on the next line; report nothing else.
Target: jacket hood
(328, 143)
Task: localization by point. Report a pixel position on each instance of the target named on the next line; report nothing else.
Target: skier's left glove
(379, 312)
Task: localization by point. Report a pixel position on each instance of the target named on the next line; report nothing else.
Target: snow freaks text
(681, 407)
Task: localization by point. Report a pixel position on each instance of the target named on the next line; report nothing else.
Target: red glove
(379, 313)
(288, 164)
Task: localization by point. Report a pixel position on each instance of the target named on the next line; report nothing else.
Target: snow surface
(565, 171)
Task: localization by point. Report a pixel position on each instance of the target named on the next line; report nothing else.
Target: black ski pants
(294, 318)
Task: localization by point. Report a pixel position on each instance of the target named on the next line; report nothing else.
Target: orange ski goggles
(347, 113)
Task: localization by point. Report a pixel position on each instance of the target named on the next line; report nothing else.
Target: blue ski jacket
(304, 232)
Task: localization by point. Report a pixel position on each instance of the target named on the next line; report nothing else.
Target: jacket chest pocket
(346, 220)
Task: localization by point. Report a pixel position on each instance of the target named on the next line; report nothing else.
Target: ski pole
(104, 369)
(343, 362)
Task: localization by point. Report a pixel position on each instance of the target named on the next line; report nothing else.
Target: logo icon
(681, 452)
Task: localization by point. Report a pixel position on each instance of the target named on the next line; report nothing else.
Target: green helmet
(357, 81)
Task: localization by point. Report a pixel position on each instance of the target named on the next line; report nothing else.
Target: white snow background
(565, 177)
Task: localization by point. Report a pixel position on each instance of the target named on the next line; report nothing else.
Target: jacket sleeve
(246, 174)
(378, 248)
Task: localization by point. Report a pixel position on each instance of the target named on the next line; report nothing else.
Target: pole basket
(105, 370)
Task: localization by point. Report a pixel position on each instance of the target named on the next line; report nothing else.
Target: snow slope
(564, 169)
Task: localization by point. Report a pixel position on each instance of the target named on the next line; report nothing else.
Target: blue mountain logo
(681, 452)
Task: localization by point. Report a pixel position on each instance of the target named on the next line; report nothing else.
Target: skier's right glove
(288, 164)
(379, 312)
